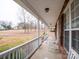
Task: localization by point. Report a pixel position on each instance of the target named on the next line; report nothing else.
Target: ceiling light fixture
(46, 10)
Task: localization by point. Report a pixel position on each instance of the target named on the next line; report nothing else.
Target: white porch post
(38, 28)
(44, 28)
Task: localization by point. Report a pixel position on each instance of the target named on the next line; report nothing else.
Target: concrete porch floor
(48, 50)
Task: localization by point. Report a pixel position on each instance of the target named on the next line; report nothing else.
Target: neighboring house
(15, 27)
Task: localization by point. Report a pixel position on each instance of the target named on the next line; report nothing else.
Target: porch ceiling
(37, 8)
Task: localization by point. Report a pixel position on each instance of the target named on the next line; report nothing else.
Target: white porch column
(38, 28)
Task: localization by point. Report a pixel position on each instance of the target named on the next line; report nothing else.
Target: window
(75, 14)
(66, 41)
(75, 40)
(66, 30)
(75, 25)
(66, 20)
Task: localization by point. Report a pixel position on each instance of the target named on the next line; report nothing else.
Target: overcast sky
(9, 11)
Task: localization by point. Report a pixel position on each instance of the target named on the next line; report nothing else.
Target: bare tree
(22, 18)
(26, 18)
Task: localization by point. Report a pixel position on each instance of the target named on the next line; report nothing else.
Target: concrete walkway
(48, 50)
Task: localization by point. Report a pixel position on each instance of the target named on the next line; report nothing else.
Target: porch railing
(23, 51)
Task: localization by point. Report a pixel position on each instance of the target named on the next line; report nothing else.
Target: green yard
(12, 38)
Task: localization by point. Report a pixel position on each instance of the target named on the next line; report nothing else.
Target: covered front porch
(46, 47)
(49, 49)
(50, 45)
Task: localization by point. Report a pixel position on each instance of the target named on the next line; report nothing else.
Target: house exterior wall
(70, 29)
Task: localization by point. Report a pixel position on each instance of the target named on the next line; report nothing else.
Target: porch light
(46, 10)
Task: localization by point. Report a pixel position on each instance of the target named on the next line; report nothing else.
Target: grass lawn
(12, 38)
